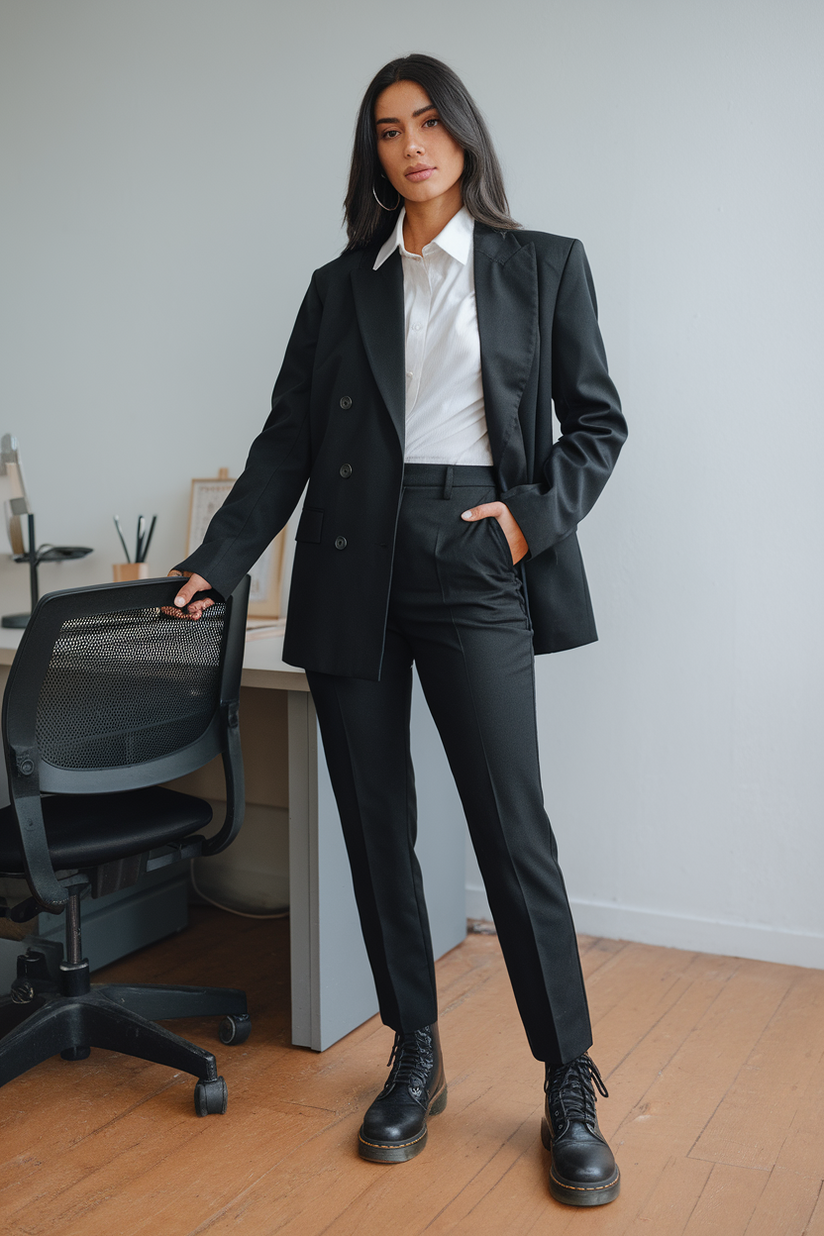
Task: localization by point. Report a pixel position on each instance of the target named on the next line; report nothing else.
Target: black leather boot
(583, 1171)
(394, 1127)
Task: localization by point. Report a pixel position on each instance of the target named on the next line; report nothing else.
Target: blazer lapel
(379, 308)
(506, 296)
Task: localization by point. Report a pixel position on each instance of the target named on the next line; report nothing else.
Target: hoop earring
(380, 203)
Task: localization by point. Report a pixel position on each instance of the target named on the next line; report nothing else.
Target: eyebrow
(430, 107)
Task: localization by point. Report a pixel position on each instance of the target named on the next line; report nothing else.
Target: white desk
(332, 989)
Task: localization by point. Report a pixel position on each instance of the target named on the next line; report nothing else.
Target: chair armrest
(235, 784)
(26, 804)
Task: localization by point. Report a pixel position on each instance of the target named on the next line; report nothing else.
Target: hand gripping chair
(107, 697)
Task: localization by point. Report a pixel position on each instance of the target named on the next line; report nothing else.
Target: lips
(420, 172)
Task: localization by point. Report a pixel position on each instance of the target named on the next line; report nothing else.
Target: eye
(387, 133)
(432, 121)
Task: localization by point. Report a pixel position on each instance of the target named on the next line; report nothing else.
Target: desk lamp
(17, 509)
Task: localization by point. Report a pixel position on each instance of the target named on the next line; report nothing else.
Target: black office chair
(107, 697)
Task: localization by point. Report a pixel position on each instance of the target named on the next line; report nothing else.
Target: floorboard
(715, 1068)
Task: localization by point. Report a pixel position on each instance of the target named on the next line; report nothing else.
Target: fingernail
(180, 602)
(466, 515)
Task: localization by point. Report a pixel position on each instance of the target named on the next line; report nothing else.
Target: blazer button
(340, 542)
(346, 402)
(346, 470)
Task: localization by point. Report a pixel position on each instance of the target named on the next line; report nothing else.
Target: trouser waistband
(447, 476)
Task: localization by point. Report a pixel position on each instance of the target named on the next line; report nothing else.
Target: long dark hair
(482, 184)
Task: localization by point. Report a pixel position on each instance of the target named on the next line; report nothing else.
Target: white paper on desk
(263, 628)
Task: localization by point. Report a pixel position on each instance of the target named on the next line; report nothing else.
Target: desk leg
(332, 987)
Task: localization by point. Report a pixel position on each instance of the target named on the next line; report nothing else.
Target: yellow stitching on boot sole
(585, 1188)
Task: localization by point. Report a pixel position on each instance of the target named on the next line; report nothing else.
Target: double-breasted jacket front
(337, 422)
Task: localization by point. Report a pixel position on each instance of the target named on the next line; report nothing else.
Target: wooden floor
(715, 1068)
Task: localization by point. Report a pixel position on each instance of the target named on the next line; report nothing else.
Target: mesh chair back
(128, 686)
(112, 693)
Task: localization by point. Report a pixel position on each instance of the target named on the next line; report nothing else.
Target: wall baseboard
(729, 939)
(477, 905)
(751, 940)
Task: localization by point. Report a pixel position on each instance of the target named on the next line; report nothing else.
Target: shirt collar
(455, 239)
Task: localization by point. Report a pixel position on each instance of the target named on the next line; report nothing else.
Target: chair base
(39, 1020)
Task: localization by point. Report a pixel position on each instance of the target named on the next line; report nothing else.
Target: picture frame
(208, 495)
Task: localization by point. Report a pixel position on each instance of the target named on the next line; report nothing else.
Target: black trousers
(457, 611)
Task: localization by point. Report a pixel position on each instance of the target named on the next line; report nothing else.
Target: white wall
(175, 170)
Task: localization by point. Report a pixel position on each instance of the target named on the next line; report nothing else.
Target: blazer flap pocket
(310, 524)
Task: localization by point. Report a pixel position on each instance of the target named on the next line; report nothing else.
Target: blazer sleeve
(276, 471)
(588, 409)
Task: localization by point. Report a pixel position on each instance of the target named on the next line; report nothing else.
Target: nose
(414, 147)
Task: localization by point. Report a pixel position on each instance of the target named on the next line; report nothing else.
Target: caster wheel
(235, 1030)
(211, 1097)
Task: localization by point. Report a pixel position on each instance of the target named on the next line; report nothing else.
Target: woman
(439, 528)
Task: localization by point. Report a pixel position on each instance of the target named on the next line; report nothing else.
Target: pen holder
(129, 570)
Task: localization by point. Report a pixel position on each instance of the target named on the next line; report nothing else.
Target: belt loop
(447, 482)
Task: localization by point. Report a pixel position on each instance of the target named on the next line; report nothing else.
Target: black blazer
(337, 421)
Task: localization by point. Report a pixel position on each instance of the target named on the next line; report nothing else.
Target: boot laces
(570, 1089)
(411, 1059)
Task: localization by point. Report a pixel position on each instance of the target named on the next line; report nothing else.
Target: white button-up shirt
(445, 416)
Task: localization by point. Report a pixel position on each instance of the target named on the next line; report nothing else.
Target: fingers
(518, 546)
(186, 607)
(196, 608)
(188, 590)
(487, 510)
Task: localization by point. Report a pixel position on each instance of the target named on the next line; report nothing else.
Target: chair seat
(84, 830)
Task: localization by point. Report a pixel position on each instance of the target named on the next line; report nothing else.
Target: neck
(426, 220)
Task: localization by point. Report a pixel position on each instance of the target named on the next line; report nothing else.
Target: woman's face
(419, 156)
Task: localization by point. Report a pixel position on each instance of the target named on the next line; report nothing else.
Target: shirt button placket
(419, 313)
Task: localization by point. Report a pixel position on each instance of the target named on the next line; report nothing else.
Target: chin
(422, 193)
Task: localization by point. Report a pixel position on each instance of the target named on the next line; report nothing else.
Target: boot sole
(572, 1194)
(400, 1152)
